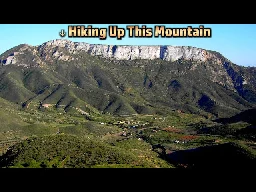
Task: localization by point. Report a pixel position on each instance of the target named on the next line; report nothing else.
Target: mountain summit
(123, 52)
(90, 78)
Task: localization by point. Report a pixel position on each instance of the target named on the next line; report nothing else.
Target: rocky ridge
(116, 52)
(123, 52)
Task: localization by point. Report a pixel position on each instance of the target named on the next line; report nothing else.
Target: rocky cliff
(122, 52)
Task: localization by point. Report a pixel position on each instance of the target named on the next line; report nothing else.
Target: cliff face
(49, 50)
(168, 53)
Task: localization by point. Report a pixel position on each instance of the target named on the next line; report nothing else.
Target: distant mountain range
(124, 80)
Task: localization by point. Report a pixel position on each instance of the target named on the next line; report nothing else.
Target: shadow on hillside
(248, 116)
(249, 132)
(223, 156)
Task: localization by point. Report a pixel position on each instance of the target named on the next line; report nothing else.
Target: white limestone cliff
(47, 51)
(123, 52)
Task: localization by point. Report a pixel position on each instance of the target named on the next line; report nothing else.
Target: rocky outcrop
(122, 52)
(9, 60)
(49, 50)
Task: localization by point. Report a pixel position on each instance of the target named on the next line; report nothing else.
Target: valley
(154, 138)
(63, 105)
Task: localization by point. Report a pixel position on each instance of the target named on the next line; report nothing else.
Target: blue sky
(236, 42)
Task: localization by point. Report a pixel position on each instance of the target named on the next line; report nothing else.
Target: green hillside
(65, 151)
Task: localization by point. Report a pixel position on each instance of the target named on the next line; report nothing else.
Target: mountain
(123, 80)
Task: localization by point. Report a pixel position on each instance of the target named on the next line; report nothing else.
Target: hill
(224, 156)
(66, 151)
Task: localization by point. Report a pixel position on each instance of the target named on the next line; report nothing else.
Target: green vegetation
(93, 112)
(131, 141)
(62, 151)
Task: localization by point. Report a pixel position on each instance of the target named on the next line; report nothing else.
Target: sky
(236, 42)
